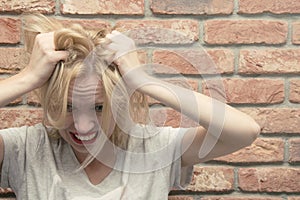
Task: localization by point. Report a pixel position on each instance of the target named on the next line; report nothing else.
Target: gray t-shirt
(37, 167)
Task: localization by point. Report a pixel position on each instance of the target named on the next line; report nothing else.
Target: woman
(96, 141)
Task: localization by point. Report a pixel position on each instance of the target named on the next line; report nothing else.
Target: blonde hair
(81, 44)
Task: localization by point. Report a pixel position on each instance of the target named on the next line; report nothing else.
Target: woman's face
(85, 100)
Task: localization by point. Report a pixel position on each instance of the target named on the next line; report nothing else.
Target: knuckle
(39, 37)
(50, 54)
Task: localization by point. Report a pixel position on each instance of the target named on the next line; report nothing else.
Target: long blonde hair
(80, 43)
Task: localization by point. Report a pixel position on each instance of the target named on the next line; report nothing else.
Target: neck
(106, 156)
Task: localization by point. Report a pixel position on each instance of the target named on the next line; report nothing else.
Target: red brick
(170, 117)
(193, 61)
(16, 117)
(275, 7)
(192, 7)
(271, 120)
(42, 6)
(296, 33)
(185, 83)
(160, 31)
(252, 90)
(294, 91)
(116, 7)
(294, 198)
(245, 32)
(12, 60)
(180, 198)
(276, 120)
(263, 150)
(32, 99)
(294, 150)
(9, 30)
(244, 197)
(271, 179)
(16, 101)
(212, 179)
(89, 24)
(269, 61)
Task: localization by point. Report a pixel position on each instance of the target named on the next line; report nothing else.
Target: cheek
(67, 125)
(68, 121)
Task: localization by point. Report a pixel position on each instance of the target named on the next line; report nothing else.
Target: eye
(69, 108)
(98, 108)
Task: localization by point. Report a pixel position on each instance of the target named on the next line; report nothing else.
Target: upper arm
(193, 141)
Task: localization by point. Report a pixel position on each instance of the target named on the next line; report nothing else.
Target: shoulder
(153, 137)
(18, 136)
(152, 130)
(23, 130)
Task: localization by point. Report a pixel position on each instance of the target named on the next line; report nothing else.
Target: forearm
(221, 120)
(14, 87)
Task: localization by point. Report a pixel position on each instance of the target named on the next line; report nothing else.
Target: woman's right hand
(43, 59)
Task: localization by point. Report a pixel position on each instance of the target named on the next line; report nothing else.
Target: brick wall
(254, 46)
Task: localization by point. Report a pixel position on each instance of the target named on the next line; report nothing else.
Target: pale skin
(233, 136)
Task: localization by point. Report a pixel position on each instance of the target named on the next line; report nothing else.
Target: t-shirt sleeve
(180, 176)
(17, 143)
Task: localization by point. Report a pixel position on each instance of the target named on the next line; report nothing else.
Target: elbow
(256, 130)
(253, 133)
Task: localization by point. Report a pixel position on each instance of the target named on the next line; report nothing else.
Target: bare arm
(222, 128)
(42, 63)
(14, 87)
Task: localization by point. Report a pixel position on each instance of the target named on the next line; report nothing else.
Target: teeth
(85, 137)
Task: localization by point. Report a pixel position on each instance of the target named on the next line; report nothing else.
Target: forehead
(86, 89)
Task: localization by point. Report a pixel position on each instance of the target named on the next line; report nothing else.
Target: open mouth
(84, 139)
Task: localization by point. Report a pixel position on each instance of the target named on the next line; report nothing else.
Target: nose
(84, 122)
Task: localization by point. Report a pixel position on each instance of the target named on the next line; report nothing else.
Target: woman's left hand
(126, 57)
(125, 51)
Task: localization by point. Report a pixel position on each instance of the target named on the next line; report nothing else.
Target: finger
(116, 37)
(49, 37)
(113, 46)
(109, 36)
(115, 32)
(60, 55)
